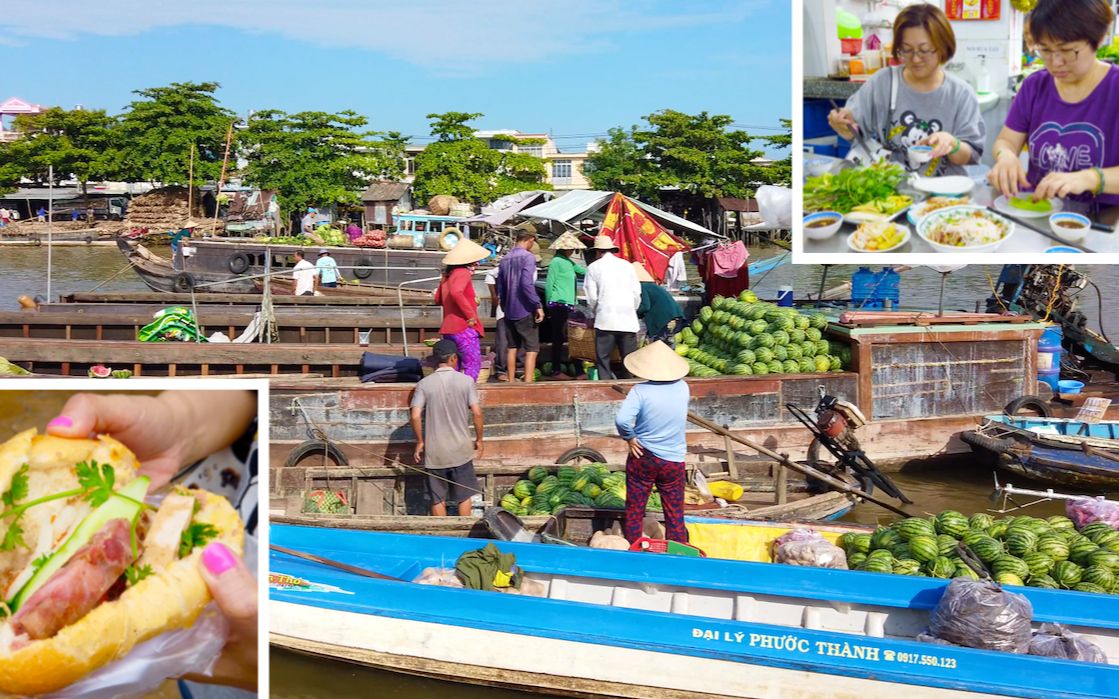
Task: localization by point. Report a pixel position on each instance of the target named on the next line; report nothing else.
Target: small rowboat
(621, 624)
(1052, 450)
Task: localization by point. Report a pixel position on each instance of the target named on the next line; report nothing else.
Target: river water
(964, 487)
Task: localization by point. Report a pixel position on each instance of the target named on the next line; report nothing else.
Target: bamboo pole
(221, 180)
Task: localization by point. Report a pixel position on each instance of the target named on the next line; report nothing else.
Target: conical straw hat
(191, 223)
(568, 241)
(657, 361)
(642, 273)
(465, 252)
(604, 242)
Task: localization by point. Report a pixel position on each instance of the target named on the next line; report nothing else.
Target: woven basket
(580, 344)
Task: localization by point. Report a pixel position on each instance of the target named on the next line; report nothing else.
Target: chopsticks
(855, 130)
(1047, 234)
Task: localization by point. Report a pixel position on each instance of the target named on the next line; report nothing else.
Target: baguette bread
(170, 598)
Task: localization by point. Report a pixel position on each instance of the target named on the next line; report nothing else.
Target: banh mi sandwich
(87, 568)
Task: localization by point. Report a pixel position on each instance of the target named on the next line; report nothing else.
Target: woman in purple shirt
(1065, 114)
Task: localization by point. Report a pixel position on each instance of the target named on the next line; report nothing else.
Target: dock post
(732, 466)
(781, 484)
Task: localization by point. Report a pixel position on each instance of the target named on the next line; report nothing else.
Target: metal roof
(32, 193)
(385, 191)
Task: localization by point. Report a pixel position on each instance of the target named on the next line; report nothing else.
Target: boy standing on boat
(327, 269)
(516, 287)
(613, 295)
(304, 274)
(443, 406)
(653, 419)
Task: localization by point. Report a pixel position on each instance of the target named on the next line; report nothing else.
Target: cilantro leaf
(135, 575)
(97, 480)
(197, 534)
(41, 560)
(18, 489)
(13, 537)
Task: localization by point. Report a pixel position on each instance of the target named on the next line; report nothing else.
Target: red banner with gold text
(639, 237)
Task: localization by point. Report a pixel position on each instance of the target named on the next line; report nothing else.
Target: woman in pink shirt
(460, 306)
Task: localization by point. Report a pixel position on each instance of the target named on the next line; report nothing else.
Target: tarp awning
(587, 203)
(496, 216)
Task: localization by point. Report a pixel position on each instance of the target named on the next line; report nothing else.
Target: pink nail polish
(218, 558)
(61, 421)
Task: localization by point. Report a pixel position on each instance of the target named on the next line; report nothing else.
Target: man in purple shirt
(516, 287)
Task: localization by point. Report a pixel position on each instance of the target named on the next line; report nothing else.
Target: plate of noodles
(964, 229)
(923, 209)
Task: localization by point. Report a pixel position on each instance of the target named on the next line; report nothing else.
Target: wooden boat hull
(1082, 462)
(642, 625)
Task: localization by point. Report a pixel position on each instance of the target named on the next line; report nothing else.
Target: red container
(851, 47)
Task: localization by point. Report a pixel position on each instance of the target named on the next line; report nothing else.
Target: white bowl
(929, 221)
(824, 232)
(950, 186)
(906, 235)
(1069, 235)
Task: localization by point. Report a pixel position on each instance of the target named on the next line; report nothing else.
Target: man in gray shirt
(442, 406)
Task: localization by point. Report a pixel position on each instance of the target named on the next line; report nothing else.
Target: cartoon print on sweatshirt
(910, 131)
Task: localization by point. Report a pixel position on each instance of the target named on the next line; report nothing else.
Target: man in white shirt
(304, 273)
(676, 275)
(613, 295)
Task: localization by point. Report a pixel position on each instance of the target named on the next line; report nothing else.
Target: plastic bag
(804, 547)
(439, 577)
(1055, 641)
(1084, 511)
(191, 650)
(775, 205)
(980, 614)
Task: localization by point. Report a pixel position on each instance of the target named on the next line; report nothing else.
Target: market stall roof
(585, 203)
(43, 193)
(507, 207)
(385, 191)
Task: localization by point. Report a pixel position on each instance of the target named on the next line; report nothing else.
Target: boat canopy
(505, 208)
(583, 203)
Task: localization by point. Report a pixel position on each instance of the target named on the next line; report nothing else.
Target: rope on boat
(112, 277)
(1055, 294)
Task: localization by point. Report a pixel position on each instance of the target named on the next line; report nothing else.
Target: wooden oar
(786, 461)
(334, 564)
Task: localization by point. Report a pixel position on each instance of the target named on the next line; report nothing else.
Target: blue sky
(573, 69)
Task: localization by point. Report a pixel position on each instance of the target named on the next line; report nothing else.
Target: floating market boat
(1052, 450)
(621, 624)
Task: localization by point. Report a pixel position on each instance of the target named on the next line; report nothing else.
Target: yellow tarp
(740, 542)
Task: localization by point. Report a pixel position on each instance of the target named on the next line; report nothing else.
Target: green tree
(79, 143)
(465, 167)
(317, 158)
(156, 134)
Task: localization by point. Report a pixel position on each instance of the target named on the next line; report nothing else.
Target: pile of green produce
(1022, 550)
(331, 237)
(852, 187)
(1108, 53)
(747, 337)
(546, 492)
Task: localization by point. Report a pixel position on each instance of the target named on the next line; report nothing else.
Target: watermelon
(793, 351)
(764, 340)
(740, 370)
(877, 566)
(1060, 522)
(883, 538)
(924, 548)
(987, 549)
(998, 528)
(746, 357)
(973, 535)
(764, 355)
(781, 338)
(907, 567)
(801, 321)
(834, 364)
(1007, 578)
(523, 489)
(780, 352)
(757, 327)
(776, 367)
(963, 570)
(952, 523)
(797, 337)
(1043, 581)
(760, 369)
(592, 491)
(823, 364)
(942, 567)
(1039, 563)
(1053, 546)
(791, 366)
(1078, 553)
(1010, 564)
(946, 545)
(527, 502)
(809, 348)
(1098, 575)
(121, 373)
(1090, 587)
(861, 543)
(705, 314)
(806, 365)
(821, 348)
(99, 371)
(856, 559)
(914, 526)
(1105, 558)
(1020, 541)
(818, 321)
(1104, 538)
(1089, 530)
(536, 474)
(581, 481)
(813, 334)
(901, 551)
(1066, 573)
(566, 474)
(748, 296)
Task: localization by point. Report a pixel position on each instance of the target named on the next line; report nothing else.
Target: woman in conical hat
(559, 292)
(653, 419)
(460, 307)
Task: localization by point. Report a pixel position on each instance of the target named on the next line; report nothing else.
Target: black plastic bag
(1055, 641)
(980, 614)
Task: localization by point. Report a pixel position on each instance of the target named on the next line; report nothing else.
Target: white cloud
(446, 35)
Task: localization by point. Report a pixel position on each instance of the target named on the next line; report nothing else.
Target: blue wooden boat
(623, 624)
(1052, 450)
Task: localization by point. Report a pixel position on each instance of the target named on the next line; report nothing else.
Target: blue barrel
(889, 286)
(863, 283)
(785, 296)
(1049, 356)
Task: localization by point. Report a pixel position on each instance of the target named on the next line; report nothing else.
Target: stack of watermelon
(1023, 550)
(747, 337)
(545, 492)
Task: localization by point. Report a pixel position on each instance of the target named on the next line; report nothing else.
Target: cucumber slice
(113, 508)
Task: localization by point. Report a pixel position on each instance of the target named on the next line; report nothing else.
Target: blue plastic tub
(1069, 387)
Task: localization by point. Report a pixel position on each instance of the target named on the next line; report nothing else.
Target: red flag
(639, 237)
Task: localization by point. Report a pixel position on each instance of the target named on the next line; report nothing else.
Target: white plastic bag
(804, 547)
(775, 204)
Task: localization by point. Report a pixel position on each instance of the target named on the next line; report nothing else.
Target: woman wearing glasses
(1066, 114)
(918, 104)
